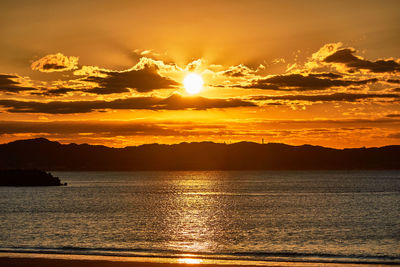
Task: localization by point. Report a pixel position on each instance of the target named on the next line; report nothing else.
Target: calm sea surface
(326, 216)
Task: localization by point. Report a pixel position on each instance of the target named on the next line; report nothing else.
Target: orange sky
(111, 72)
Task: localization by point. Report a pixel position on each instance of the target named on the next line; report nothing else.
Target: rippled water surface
(322, 216)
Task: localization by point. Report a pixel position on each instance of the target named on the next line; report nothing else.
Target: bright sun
(193, 83)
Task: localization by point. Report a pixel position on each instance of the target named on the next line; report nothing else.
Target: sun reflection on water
(192, 217)
(190, 261)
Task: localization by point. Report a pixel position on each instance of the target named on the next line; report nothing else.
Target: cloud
(327, 75)
(55, 62)
(299, 82)
(394, 135)
(142, 80)
(347, 97)
(174, 102)
(98, 127)
(346, 56)
(393, 115)
(325, 51)
(55, 92)
(238, 71)
(7, 84)
(111, 128)
(177, 128)
(143, 77)
(92, 71)
(335, 122)
(393, 80)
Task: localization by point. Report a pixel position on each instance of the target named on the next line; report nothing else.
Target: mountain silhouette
(43, 154)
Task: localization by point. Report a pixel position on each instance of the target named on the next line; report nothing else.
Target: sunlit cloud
(55, 62)
(9, 84)
(346, 56)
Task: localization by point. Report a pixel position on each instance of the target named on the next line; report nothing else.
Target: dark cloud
(52, 67)
(55, 92)
(298, 82)
(393, 80)
(295, 123)
(394, 135)
(346, 56)
(393, 115)
(174, 102)
(95, 127)
(348, 97)
(98, 129)
(326, 75)
(142, 80)
(10, 86)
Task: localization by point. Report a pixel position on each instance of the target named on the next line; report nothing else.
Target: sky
(111, 72)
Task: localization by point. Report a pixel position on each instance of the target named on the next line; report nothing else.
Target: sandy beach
(82, 261)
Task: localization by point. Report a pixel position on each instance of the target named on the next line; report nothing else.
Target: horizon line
(198, 142)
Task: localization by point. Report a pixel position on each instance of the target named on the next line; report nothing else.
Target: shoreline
(67, 260)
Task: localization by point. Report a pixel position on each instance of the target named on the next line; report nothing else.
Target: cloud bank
(174, 102)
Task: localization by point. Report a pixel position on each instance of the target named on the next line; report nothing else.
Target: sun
(193, 83)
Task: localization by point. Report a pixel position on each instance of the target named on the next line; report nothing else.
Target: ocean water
(321, 216)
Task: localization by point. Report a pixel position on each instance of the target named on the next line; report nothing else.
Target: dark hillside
(47, 155)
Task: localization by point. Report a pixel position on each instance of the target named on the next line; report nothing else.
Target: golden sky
(111, 72)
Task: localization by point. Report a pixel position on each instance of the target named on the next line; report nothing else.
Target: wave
(242, 256)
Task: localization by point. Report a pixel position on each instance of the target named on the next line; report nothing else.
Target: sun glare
(190, 261)
(193, 83)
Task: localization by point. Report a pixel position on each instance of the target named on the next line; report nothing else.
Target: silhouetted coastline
(43, 154)
(19, 177)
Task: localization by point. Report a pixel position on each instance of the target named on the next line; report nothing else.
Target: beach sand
(38, 261)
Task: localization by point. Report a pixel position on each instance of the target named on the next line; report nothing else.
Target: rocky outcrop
(28, 178)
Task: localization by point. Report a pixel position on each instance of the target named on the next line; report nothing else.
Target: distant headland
(43, 154)
(33, 177)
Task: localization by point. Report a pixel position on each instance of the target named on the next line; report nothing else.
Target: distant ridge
(43, 154)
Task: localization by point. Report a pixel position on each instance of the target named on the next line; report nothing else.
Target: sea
(247, 216)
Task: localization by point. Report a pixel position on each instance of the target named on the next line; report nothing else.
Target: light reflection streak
(193, 220)
(190, 261)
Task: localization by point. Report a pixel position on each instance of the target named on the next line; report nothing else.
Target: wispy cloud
(345, 97)
(9, 85)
